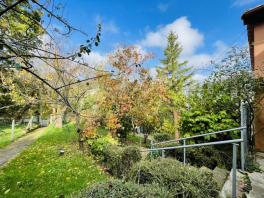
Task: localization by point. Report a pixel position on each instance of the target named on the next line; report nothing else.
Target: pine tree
(176, 76)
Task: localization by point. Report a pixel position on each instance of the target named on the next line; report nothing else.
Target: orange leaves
(112, 123)
(127, 60)
(90, 132)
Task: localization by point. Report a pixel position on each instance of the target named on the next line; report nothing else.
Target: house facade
(254, 20)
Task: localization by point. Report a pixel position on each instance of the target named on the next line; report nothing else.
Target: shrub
(112, 159)
(208, 156)
(129, 156)
(119, 189)
(98, 145)
(179, 179)
(195, 122)
(160, 137)
(119, 160)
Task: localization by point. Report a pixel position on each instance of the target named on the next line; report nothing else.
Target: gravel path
(12, 150)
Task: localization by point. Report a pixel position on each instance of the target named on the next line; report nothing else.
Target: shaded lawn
(5, 134)
(40, 172)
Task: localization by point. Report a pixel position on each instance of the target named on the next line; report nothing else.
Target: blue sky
(206, 28)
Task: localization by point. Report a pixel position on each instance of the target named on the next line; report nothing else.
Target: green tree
(177, 76)
(215, 104)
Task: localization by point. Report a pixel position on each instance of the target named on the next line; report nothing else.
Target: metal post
(234, 167)
(163, 153)
(243, 134)
(184, 152)
(151, 146)
(12, 130)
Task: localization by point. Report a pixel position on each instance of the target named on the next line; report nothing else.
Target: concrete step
(226, 191)
(220, 175)
(259, 155)
(257, 183)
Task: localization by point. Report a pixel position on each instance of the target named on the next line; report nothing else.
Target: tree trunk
(176, 117)
(145, 138)
(80, 135)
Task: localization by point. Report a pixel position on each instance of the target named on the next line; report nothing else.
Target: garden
(102, 118)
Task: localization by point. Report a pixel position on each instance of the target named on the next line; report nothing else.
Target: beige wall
(259, 71)
(259, 49)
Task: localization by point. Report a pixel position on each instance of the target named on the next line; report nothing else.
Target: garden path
(11, 151)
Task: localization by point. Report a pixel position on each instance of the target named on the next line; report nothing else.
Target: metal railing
(242, 140)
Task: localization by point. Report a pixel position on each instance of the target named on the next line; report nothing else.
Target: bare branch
(11, 7)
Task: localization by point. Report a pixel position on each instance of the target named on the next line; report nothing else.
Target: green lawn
(5, 134)
(40, 172)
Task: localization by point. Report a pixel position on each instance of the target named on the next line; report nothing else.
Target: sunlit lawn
(5, 134)
(41, 172)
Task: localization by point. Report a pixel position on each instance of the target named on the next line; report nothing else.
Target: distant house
(254, 19)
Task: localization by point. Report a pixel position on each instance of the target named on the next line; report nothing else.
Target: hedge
(179, 179)
(119, 160)
(119, 189)
(160, 137)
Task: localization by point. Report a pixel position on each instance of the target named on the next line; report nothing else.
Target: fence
(243, 140)
(28, 122)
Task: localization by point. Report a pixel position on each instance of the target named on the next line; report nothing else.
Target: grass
(40, 172)
(5, 134)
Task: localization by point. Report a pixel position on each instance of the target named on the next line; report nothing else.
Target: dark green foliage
(119, 160)
(112, 160)
(179, 179)
(247, 187)
(126, 127)
(129, 156)
(215, 105)
(119, 189)
(209, 157)
(194, 122)
(160, 137)
(252, 165)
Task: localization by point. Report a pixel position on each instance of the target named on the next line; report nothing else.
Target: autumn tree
(129, 97)
(176, 76)
(23, 26)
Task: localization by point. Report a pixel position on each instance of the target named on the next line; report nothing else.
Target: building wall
(259, 72)
(259, 49)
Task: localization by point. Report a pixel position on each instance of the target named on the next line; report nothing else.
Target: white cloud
(199, 77)
(108, 26)
(203, 60)
(243, 2)
(163, 7)
(189, 37)
(95, 59)
(153, 72)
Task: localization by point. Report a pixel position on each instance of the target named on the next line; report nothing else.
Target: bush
(98, 145)
(160, 137)
(119, 189)
(179, 179)
(129, 156)
(119, 160)
(112, 159)
(208, 156)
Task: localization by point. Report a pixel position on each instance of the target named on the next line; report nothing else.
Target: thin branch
(87, 79)
(11, 7)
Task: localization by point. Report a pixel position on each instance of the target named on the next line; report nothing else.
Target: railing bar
(201, 135)
(195, 145)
